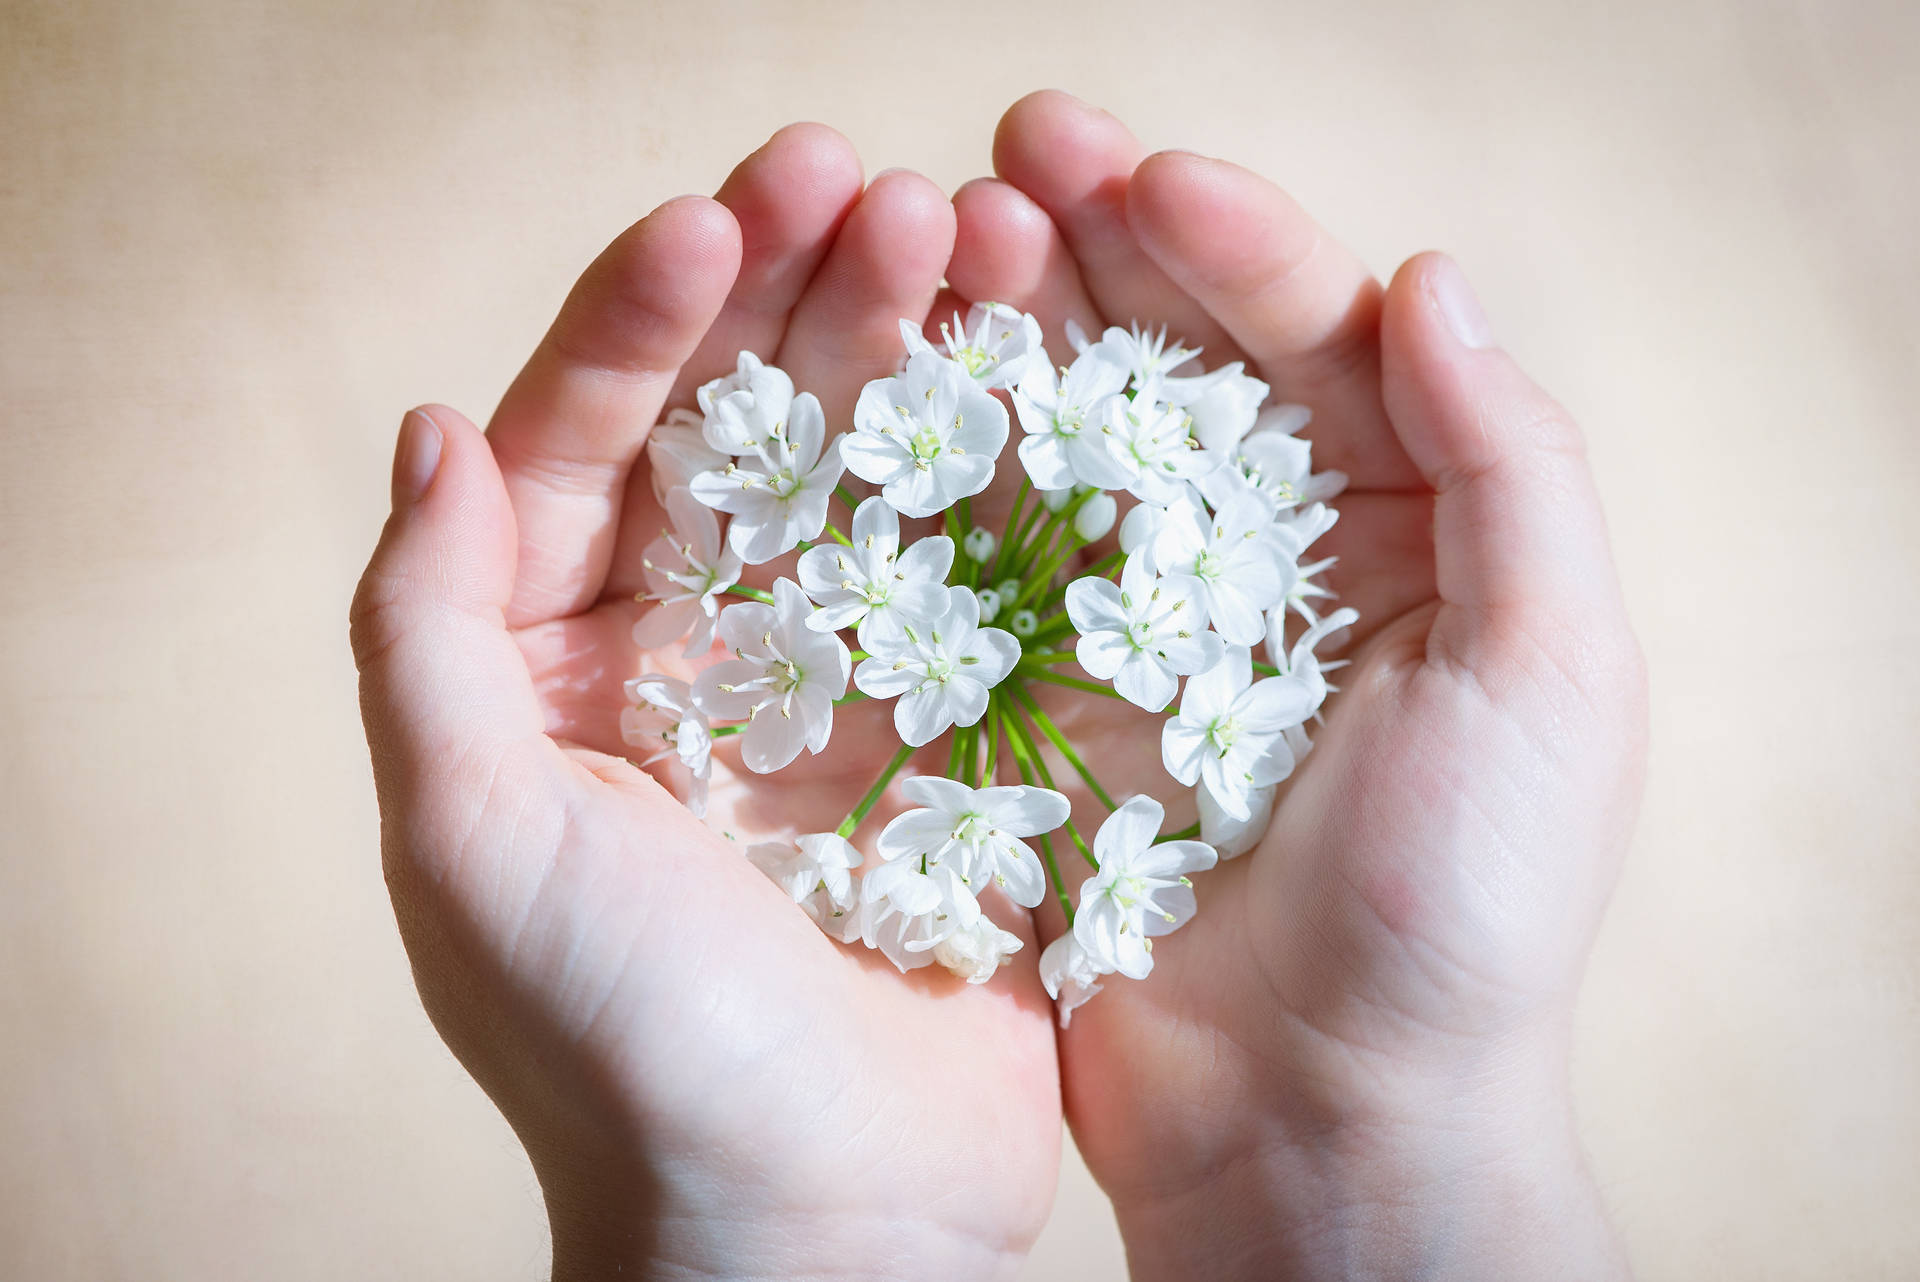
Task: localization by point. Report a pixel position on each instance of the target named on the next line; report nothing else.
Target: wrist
(1485, 1183)
(661, 1229)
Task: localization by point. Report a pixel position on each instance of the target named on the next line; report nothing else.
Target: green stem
(1015, 727)
(838, 537)
(851, 696)
(993, 747)
(1046, 657)
(845, 495)
(1266, 669)
(1059, 741)
(720, 732)
(1043, 577)
(859, 812)
(1013, 524)
(1187, 833)
(1075, 683)
(1046, 847)
(752, 594)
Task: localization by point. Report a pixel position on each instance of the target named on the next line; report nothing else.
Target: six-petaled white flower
(940, 668)
(1155, 442)
(677, 451)
(872, 584)
(778, 489)
(1230, 735)
(816, 872)
(928, 438)
(977, 831)
(742, 407)
(975, 952)
(1064, 415)
(1143, 353)
(686, 572)
(1140, 891)
(1228, 553)
(992, 346)
(662, 716)
(782, 680)
(1070, 975)
(1143, 633)
(906, 910)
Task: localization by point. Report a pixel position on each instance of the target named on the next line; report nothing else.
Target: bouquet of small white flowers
(965, 627)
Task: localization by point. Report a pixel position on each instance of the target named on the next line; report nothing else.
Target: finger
(1303, 309)
(1006, 250)
(790, 199)
(884, 266)
(1075, 161)
(443, 689)
(569, 428)
(1519, 542)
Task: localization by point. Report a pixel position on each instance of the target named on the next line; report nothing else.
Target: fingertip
(804, 176)
(1050, 139)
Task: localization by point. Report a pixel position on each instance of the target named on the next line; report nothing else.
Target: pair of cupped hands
(1351, 1063)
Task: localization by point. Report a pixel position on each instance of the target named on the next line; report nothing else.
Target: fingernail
(416, 456)
(1458, 306)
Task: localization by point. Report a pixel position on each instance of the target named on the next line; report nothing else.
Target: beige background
(236, 242)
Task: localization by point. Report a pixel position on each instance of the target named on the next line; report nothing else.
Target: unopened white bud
(1009, 590)
(978, 544)
(1056, 499)
(1095, 517)
(1024, 623)
(989, 604)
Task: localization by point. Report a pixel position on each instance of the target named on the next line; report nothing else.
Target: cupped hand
(1352, 1060)
(705, 1082)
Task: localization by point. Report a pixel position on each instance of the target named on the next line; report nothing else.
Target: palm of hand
(622, 982)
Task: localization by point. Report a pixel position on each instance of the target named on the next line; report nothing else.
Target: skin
(1351, 1063)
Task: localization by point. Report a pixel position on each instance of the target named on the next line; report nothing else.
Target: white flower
(1154, 440)
(779, 496)
(677, 451)
(1223, 403)
(977, 832)
(906, 911)
(1063, 414)
(1300, 661)
(815, 870)
(1070, 974)
(783, 679)
(1273, 461)
(928, 438)
(686, 573)
(741, 408)
(663, 716)
(941, 667)
(1228, 554)
(1230, 736)
(1143, 633)
(975, 952)
(1140, 890)
(994, 346)
(873, 583)
(1235, 837)
(1144, 354)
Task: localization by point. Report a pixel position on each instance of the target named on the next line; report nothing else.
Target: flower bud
(1095, 517)
(978, 545)
(1024, 623)
(989, 604)
(1009, 590)
(1056, 499)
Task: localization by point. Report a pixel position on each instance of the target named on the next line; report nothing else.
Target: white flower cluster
(1209, 565)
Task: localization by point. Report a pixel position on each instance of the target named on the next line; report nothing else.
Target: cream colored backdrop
(237, 241)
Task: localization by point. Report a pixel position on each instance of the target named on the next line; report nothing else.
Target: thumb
(1520, 544)
(444, 690)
